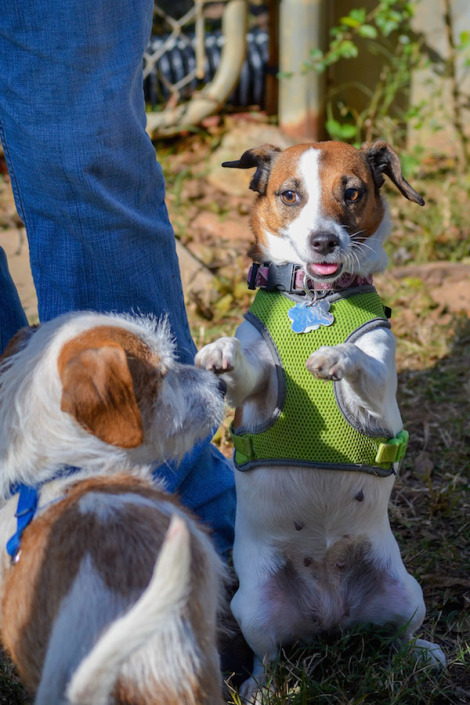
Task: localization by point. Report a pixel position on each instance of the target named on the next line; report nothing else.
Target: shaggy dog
(112, 589)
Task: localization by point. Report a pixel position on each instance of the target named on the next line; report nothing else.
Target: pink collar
(291, 279)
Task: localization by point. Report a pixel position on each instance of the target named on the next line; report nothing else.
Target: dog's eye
(352, 195)
(289, 197)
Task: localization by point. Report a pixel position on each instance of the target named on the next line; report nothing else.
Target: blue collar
(28, 499)
(27, 504)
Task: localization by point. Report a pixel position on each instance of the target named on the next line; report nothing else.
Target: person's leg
(12, 316)
(204, 481)
(89, 189)
(84, 172)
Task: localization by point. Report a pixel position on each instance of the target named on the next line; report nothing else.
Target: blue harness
(27, 505)
(28, 499)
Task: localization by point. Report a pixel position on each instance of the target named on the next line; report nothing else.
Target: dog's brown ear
(260, 157)
(97, 390)
(383, 160)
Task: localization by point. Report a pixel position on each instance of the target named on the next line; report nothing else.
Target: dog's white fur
(273, 502)
(147, 641)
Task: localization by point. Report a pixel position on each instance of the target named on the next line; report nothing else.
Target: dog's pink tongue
(323, 269)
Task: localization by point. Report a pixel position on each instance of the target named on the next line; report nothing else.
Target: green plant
(386, 34)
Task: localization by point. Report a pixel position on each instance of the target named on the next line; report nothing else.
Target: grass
(11, 690)
(362, 666)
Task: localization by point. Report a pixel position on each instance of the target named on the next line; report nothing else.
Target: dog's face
(129, 391)
(93, 386)
(320, 206)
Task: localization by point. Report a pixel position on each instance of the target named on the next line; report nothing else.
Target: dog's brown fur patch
(103, 372)
(365, 215)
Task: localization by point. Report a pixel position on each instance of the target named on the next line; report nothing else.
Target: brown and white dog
(313, 550)
(113, 595)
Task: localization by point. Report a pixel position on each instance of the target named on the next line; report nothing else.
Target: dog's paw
(253, 693)
(219, 357)
(333, 363)
(429, 654)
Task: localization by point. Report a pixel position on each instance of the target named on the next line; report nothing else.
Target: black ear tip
(412, 195)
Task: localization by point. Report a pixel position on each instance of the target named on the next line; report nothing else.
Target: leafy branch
(386, 32)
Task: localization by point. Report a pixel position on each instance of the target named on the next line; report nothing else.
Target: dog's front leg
(243, 369)
(367, 368)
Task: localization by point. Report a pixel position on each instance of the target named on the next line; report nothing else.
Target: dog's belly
(306, 509)
(314, 552)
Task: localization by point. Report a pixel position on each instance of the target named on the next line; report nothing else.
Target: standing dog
(112, 591)
(317, 433)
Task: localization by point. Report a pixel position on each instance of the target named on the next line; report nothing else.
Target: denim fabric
(88, 187)
(12, 316)
(204, 483)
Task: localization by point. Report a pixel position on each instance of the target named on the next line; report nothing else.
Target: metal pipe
(214, 95)
(303, 26)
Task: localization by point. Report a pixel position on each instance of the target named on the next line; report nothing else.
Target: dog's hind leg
(254, 689)
(428, 654)
(257, 626)
(400, 603)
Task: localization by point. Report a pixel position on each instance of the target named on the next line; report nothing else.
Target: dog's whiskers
(358, 249)
(351, 258)
(362, 245)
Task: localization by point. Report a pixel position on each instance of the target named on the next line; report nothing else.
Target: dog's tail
(94, 679)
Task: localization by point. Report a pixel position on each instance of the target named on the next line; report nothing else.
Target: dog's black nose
(323, 243)
(222, 387)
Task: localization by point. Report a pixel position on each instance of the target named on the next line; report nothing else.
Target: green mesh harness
(311, 425)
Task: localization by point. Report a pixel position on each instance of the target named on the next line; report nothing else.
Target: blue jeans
(90, 191)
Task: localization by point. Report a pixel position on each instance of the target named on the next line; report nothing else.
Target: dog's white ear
(97, 390)
(260, 157)
(384, 160)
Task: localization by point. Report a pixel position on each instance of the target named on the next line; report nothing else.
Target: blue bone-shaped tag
(308, 316)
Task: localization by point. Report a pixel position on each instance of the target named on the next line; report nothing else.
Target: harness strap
(389, 453)
(28, 498)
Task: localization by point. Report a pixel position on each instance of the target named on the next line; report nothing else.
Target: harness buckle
(394, 450)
